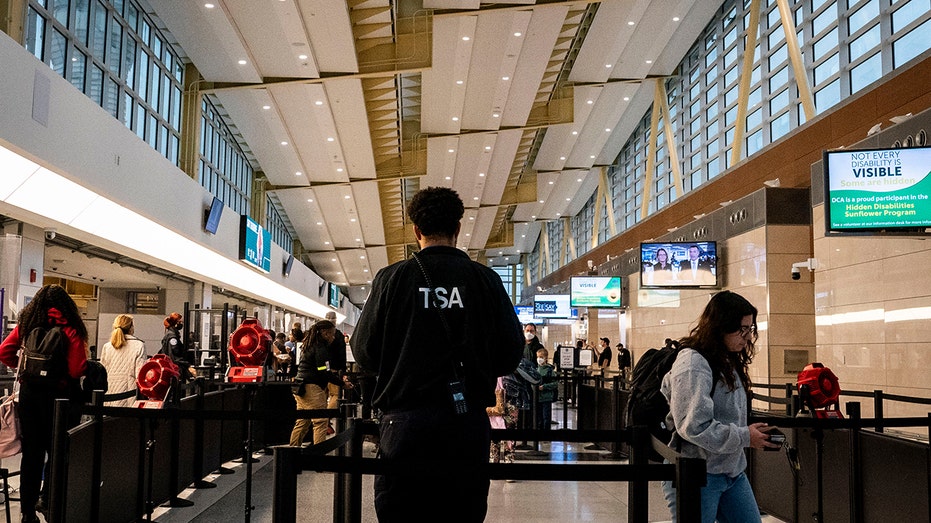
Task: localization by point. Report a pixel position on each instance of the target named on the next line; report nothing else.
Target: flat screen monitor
(212, 219)
(679, 264)
(553, 306)
(333, 295)
(877, 191)
(595, 291)
(288, 264)
(255, 245)
(524, 313)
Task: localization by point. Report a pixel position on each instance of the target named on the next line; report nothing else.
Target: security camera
(811, 264)
(50, 233)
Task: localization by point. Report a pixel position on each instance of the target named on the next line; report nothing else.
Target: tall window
(846, 46)
(112, 52)
(224, 169)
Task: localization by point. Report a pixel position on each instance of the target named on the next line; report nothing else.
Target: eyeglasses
(746, 329)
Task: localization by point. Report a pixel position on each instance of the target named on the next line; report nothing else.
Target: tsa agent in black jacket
(313, 373)
(402, 338)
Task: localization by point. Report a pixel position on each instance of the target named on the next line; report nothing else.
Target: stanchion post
(198, 458)
(790, 390)
(878, 409)
(565, 398)
(97, 401)
(690, 478)
(638, 502)
(287, 467)
(59, 464)
(339, 478)
(354, 479)
(853, 461)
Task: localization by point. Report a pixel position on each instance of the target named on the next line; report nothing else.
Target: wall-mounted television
(212, 216)
(595, 291)
(288, 264)
(333, 295)
(255, 244)
(553, 306)
(524, 313)
(877, 191)
(679, 264)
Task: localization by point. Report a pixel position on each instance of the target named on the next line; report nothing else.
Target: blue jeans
(724, 499)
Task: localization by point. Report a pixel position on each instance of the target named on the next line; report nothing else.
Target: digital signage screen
(595, 291)
(255, 245)
(212, 221)
(553, 306)
(333, 295)
(524, 313)
(679, 264)
(877, 191)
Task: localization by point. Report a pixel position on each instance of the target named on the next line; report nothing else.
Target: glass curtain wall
(846, 45)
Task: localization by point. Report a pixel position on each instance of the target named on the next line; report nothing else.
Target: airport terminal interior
(253, 159)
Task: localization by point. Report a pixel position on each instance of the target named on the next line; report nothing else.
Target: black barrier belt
(237, 415)
(831, 423)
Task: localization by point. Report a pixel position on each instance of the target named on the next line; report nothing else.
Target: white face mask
(541, 361)
(528, 335)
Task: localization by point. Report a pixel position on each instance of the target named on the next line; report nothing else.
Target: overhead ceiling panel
(209, 39)
(307, 218)
(441, 161)
(494, 61)
(580, 192)
(444, 84)
(472, 159)
(347, 101)
(607, 111)
(466, 228)
(338, 205)
(276, 57)
(484, 221)
(559, 140)
(264, 131)
(496, 178)
(607, 38)
(366, 199)
(451, 4)
(330, 32)
(535, 53)
(312, 130)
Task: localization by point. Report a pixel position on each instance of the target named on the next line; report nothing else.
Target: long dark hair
(35, 313)
(721, 317)
(315, 334)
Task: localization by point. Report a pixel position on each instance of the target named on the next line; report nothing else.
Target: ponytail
(122, 325)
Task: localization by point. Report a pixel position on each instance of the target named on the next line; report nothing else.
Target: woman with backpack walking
(51, 314)
(707, 390)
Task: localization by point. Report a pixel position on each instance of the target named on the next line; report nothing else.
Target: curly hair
(35, 313)
(315, 334)
(721, 317)
(436, 211)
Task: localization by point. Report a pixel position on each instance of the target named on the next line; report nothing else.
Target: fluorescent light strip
(37, 190)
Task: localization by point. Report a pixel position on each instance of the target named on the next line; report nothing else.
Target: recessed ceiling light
(353, 220)
(318, 102)
(458, 82)
(475, 197)
(449, 178)
(505, 78)
(339, 169)
(495, 115)
(329, 138)
(266, 107)
(589, 102)
(568, 199)
(579, 180)
(592, 157)
(523, 235)
(630, 23)
(481, 174)
(649, 61)
(574, 133)
(471, 217)
(209, 6)
(455, 118)
(626, 98)
(348, 196)
(608, 66)
(298, 173)
(607, 129)
(358, 239)
(362, 257)
(302, 56)
(326, 243)
(551, 182)
(675, 19)
(562, 157)
(310, 200)
(500, 253)
(533, 217)
(332, 259)
(284, 143)
(468, 234)
(541, 201)
(243, 62)
(518, 33)
(465, 38)
(339, 272)
(558, 214)
(364, 270)
(319, 223)
(487, 147)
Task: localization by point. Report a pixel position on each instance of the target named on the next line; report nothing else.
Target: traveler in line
(313, 374)
(707, 390)
(435, 352)
(122, 356)
(51, 306)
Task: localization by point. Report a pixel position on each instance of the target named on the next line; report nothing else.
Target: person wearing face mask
(531, 342)
(547, 390)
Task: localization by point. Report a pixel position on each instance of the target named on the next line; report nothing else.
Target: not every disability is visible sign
(255, 245)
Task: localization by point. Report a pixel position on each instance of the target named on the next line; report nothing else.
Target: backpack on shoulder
(44, 355)
(647, 405)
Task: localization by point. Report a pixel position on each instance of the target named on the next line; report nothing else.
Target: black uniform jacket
(401, 338)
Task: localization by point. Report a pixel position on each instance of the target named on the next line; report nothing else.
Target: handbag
(10, 435)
